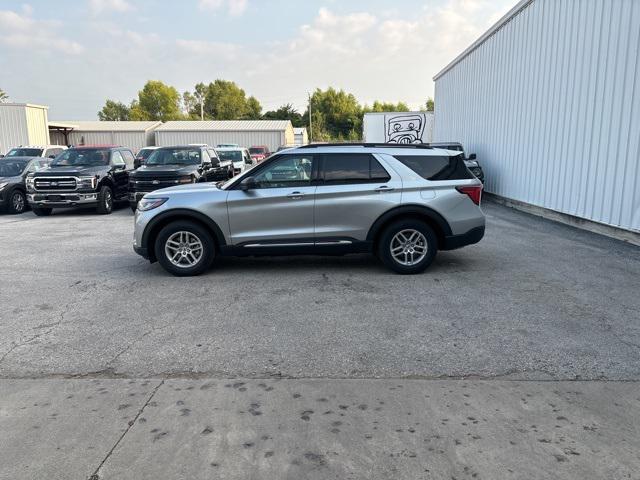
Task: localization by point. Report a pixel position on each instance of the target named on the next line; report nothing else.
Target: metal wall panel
(245, 139)
(133, 140)
(22, 124)
(550, 102)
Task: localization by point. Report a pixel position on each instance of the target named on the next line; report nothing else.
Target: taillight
(474, 192)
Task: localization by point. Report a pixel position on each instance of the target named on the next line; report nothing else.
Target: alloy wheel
(184, 249)
(409, 247)
(17, 201)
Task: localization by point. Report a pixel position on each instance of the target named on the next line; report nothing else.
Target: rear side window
(345, 168)
(432, 167)
(128, 158)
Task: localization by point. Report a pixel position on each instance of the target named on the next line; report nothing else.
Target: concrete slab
(382, 429)
(63, 429)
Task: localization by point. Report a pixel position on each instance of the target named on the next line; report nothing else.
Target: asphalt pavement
(537, 308)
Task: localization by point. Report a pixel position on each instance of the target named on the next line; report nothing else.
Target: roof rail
(369, 145)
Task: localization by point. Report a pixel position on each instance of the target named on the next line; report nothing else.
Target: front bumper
(453, 242)
(62, 200)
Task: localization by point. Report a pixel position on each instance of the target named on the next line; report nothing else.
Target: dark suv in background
(86, 176)
(13, 171)
(178, 165)
(470, 161)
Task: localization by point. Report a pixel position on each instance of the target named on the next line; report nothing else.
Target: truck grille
(151, 185)
(45, 184)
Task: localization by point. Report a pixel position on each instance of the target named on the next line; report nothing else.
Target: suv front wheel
(407, 246)
(184, 248)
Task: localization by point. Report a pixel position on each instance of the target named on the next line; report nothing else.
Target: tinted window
(24, 152)
(433, 167)
(174, 156)
(341, 168)
(233, 155)
(287, 171)
(12, 168)
(144, 153)
(82, 157)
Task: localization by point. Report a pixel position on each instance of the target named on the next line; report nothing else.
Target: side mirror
(206, 166)
(472, 156)
(215, 162)
(248, 183)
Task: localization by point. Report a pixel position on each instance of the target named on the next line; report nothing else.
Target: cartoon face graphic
(405, 129)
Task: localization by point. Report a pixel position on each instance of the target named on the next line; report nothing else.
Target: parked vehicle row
(99, 176)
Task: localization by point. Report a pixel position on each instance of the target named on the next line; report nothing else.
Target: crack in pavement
(95, 475)
(128, 347)
(53, 326)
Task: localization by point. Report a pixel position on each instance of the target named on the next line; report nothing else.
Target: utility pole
(310, 122)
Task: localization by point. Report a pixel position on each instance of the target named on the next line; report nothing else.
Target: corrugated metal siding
(228, 125)
(247, 139)
(133, 140)
(13, 127)
(37, 125)
(551, 104)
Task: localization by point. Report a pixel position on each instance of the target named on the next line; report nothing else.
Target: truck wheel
(17, 202)
(407, 246)
(42, 212)
(184, 248)
(105, 201)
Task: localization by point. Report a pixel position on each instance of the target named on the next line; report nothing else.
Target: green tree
(113, 111)
(387, 107)
(430, 105)
(3, 96)
(157, 101)
(286, 112)
(336, 115)
(224, 100)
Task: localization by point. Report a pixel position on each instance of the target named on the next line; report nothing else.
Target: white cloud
(101, 6)
(22, 31)
(234, 7)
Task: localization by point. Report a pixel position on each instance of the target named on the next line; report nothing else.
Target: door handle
(384, 188)
(295, 195)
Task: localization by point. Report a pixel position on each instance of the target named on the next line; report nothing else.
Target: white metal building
(301, 137)
(549, 99)
(134, 135)
(22, 124)
(246, 133)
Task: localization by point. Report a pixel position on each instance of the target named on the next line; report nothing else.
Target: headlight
(87, 182)
(4, 184)
(150, 203)
(30, 181)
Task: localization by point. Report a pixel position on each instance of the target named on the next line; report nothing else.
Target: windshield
(12, 168)
(145, 153)
(233, 155)
(82, 157)
(257, 150)
(24, 152)
(174, 156)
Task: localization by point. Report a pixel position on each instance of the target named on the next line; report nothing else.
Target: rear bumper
(458, 241)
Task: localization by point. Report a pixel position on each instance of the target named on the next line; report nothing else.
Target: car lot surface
(515, 358)
(533, 300)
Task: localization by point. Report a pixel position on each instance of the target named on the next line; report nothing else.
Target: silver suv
(400, 202)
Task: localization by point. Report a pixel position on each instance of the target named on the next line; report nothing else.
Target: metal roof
(521, 5)
(226, 125)
(98, 126)
(32, 105)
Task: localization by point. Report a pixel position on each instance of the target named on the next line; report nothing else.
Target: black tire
(17, 202)
(204, 261)
(105, 201)
(42, 212)
(428, 239)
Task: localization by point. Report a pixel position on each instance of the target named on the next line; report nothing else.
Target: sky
(73, 55)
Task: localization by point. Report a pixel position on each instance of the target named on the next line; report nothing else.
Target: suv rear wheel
(184, 248)
(407, 246)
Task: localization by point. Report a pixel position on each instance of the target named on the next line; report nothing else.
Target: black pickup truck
(171, 166)
(87, 176)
